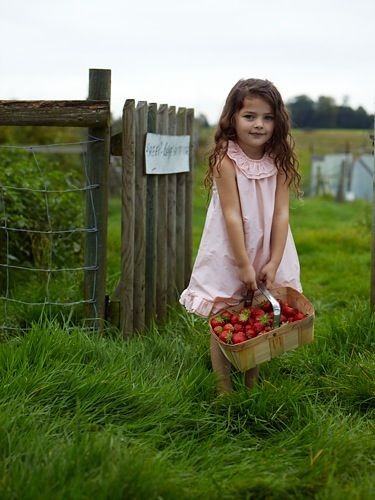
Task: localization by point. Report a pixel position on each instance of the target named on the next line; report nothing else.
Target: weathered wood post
(98, 156)
(140, 219)
(151, 227)
(126, 285)
(180, 211)
(171, 231)
(372, 289)
(162, 228)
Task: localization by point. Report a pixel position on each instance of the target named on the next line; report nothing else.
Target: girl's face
(254, 123)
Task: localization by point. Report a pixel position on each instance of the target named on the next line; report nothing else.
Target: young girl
(246, 237)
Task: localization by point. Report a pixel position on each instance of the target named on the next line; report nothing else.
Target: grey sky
(188, 53)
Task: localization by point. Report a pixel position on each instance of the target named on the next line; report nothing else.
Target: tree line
(325, 113)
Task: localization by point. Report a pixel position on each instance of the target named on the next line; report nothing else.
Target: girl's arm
(279, 231)
(226, 184)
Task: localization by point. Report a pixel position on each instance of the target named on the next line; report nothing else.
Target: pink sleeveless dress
(214, 283)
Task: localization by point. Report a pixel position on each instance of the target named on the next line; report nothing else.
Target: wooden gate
(156, 250)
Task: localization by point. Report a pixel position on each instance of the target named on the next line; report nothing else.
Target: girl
(246, 237)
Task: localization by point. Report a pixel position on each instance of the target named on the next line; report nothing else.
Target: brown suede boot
(222, 367)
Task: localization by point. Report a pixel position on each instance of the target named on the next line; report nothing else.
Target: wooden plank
(162, 228)
(127, 218)
(180, 211)
(189, 200)
(372, 284)
(90, 113)
(140, 219)
(151, 228)
(98, 157)
(171, 230)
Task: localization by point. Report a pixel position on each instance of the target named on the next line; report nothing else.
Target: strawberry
(250, 332)
(238, 327)
(217, 321)
(256, 312)
(244, 316)
(228, 327)
(287, 310)
(226, 337)
(218, 329)
(265, 319)
(226, 315)
(258, 327)
(267, 307)
(234, 319)
(298, 316)
(239, 337)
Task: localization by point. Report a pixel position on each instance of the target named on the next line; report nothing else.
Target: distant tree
(325, 113)
(302, 111)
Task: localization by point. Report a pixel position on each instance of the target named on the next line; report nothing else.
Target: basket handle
(274, 303)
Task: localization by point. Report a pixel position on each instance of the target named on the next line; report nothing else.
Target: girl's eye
(269, 117)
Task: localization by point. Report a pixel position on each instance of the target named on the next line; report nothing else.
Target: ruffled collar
(253, 169)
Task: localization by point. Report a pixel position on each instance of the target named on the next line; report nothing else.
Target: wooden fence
(94, 114)
(156, 248)
(156, 251)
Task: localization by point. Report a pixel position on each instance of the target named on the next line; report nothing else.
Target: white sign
(167, 154)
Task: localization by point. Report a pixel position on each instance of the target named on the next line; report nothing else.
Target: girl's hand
(248, 277)
(268, 273)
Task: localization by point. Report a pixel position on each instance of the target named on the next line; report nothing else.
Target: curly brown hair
(281, 145)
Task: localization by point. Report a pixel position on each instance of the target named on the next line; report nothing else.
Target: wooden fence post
(171, 230)
(162, 228)
(151, 226)
(98, 156)
(140, 219)
(372, 291)
(180, 211)
(128, 217)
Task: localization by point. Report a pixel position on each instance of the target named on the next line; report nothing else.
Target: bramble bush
(31, 211)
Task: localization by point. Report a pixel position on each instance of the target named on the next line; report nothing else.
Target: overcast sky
(188, 52)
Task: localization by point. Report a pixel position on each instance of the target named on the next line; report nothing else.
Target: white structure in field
(342, 173)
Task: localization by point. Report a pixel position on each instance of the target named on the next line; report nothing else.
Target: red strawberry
(298, 316)
(228, 327)
(234, 319)
(217, 321)
(244, 316)
(267, 307)
(265, 319)
(226, 315)
(238, 327)
(218, 329)
(287, 310)
(226, 336)
(250, 332)
(258, 327)
(256, 312)
(239, 337)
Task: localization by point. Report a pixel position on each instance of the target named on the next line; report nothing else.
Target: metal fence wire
(47, 284)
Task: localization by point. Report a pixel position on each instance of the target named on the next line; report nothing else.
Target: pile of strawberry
(249, 322)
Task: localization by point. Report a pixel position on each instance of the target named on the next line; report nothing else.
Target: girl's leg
(221, 367)
(251, 377)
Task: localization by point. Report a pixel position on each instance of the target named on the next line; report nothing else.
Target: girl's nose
(259, 123)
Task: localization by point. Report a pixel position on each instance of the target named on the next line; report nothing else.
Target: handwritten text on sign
(167, 154)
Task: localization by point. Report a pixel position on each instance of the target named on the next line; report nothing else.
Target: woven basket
(269, 345)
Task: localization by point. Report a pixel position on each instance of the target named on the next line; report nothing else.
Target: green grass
(85, 416)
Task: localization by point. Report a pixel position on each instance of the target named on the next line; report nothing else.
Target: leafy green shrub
(24, 205)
